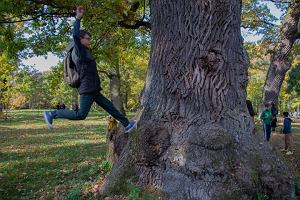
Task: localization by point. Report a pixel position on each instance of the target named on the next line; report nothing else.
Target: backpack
(71, 74)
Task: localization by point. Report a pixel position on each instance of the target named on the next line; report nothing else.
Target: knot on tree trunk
(213, 61)
(154, 142)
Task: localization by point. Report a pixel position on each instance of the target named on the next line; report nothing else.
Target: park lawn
(38, 163)
(293, 161)
(277, 141)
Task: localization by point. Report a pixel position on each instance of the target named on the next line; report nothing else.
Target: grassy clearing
(66, 162)
(277, 141)
(36, 162)
(293, 161)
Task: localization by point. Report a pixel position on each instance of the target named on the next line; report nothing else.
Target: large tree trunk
(194, 138)
(280, 61)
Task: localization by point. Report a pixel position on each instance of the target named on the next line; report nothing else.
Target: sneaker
(48, 116)
(289, 153)
(130, 126)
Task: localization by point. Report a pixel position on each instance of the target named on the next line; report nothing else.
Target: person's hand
(79, 12)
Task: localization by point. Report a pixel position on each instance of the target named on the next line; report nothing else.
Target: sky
(42, 63)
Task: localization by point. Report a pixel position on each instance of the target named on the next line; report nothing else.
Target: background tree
(280, 59)
(258, 66)
(7, 67)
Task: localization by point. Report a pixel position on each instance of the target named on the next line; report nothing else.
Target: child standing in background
(287, 131)
(266, 117)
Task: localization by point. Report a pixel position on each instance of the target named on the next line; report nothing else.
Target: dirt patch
(293, 161)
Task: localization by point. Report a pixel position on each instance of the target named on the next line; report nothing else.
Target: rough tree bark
(280, 61)
(194, 138)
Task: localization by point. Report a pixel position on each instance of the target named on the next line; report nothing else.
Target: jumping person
(89, 83)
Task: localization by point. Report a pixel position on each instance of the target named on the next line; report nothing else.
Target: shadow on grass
(8, 132)
(24, 174)
(21, 117)
(69, 151)
(34, 159)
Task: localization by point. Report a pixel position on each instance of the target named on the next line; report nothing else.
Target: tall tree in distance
(280, 59)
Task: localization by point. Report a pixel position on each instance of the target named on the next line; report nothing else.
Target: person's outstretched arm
(79, 51)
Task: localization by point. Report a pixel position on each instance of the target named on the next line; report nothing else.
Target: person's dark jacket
(274, 114)
(89, 81)
(287, 125)
(274, 111)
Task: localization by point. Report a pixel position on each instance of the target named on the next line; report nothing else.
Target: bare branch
(137, 24)
(36, 16)
(260, 22)
(279, 1)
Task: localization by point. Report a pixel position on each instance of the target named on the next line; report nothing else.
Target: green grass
(36, 161)
(293, 161)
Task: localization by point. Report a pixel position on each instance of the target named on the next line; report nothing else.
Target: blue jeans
(86, 101)
(267, 131)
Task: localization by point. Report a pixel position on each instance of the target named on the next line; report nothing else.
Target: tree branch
(104, 72)
(124, 23)
(36, 14)
(46, 3)
(44, 15)
(16, 21)
(279, 1)
(259, 21)
(136, 25)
